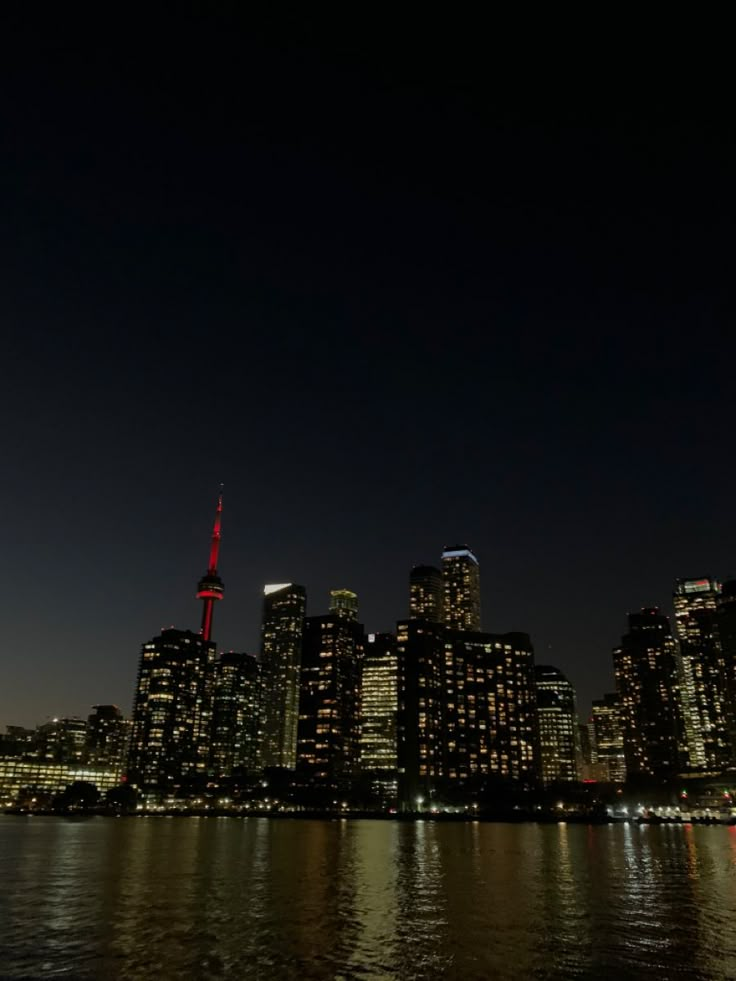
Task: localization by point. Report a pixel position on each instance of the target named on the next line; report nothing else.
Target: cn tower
(210, 586)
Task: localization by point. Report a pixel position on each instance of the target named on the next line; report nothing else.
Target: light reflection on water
(207, 898)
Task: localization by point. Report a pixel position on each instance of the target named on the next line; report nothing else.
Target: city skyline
(454, 552)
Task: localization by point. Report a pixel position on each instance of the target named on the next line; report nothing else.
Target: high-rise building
(608, 740)
(284, 608)
(172, 711)
(344, 603)
(379, 706)
(107, 736)
(328, 741)
(703, 673)
(235, 715)
(726, 623)
(557, 719)
(461, 588)
(425, 593)
(420, 646)
(172, 715)
(647, 684)
(489, 725)
(63, 740)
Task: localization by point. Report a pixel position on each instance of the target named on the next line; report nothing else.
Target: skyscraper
(284, 607)
(420, 646)
(489, 722)
(172, 714)
(172, 711)
(425, 593)
(461, 588)
(328, 744)
(107, 736)
(557, 725)
(726, 623)
(646, 672)
(379, 704)
(703, 672)
(235, 715)
(608, 738)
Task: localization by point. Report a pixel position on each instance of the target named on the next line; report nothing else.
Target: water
(160, 898)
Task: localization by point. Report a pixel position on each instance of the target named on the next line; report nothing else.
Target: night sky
(394, 294)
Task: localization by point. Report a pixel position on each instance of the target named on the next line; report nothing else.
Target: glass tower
(284, 607)
(461, 588)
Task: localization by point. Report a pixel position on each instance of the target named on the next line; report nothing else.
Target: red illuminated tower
(210, 585)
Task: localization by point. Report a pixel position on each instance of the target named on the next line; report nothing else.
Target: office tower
(344, 603)
(420, 738)
(62, 740)
(328, 741)
(490, 725)
(606, 722)
(461, 588)
(172, 713)
(557, 719)
(284, 607)
(211, 588)
(107, 736)
(425, 593)
(703, 673)
(726, 624)
(235, 715)
(379, 706)
(646, 672)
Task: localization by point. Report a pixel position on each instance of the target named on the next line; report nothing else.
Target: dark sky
(394, 293)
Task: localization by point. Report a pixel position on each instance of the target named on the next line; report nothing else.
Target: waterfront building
(608, 753)
(172, 714)
(726, 624)
(328, 739)
(425, 593)
(461, 588)
(703, 674)
(235, 715)
(489, 724)
(108, 733)
(647, 685)
(420, 648)
(379, 704)
(172, 711)
(557, 719)
(284, 608)
(62, 740)
(21, 778)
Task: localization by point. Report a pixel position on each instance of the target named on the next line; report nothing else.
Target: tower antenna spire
(211, 587)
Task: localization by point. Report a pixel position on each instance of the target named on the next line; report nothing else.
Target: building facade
(420, 649)
(647, 684)
(425, 593)
(379, 706)
(328, 741)
(703, 674)
(108, 735)
(461, 588)
(172, 714)
(490, 720)
(557, 718)
(284, 609)
(235, 715)
(608, 740)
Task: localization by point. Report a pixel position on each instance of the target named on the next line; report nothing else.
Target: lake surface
(160, 898)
